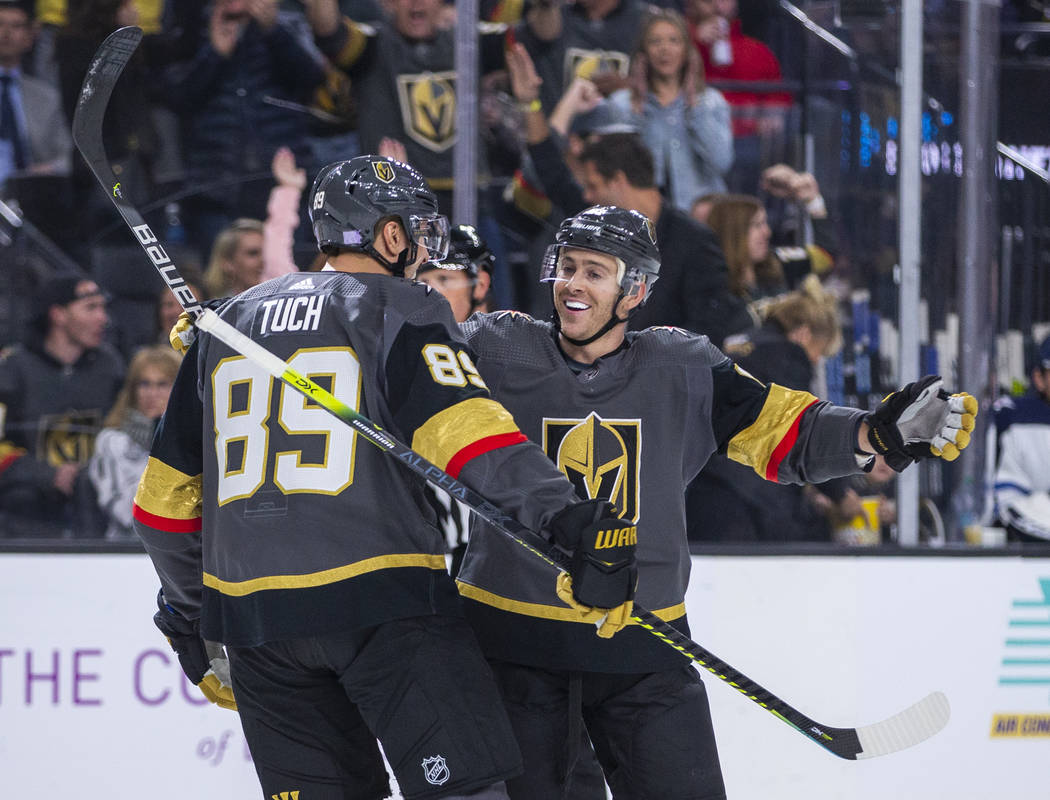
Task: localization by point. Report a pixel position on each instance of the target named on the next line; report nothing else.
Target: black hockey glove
(603, 575)
(921, 420)
(204, 663)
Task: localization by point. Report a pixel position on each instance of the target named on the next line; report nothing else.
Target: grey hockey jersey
(635, 427)
(267, 518)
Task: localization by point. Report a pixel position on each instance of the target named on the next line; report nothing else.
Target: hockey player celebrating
(309, 556)
(631, 418)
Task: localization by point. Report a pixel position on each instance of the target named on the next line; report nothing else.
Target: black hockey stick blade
(905, 729)
(105, 68)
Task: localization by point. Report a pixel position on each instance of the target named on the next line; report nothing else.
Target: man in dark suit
(34, 133)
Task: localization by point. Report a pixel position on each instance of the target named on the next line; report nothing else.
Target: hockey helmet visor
(430, 231)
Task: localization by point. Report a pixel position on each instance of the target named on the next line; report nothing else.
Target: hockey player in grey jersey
(309, 554)
(632, 417)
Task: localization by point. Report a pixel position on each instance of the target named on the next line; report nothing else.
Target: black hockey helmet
(626, 235)
(349, 197)
(467, 252)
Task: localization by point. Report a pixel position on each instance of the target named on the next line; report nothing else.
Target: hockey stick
(905, 729)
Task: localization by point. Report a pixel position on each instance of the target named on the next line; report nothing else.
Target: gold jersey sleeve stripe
(324, 577)
(166, 492)
(454, 429)
(560, 613)
(763, 444)
(355, 44)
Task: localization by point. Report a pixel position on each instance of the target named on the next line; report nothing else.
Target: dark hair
(621, 152)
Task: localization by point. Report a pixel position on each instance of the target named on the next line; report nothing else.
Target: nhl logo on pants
(435, 770)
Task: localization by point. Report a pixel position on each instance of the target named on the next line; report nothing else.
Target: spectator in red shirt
(729, 55)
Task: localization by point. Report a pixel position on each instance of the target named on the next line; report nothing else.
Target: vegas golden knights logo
(601, 457)
(428, 108)
(580, 63)
(68, 438)
(286, 796)
(383, 171)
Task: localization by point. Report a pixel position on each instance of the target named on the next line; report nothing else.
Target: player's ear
(636, 298)
(481, 285)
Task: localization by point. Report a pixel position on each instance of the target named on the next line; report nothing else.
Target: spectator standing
(683, 122)
(403, 77)
(590, 39)
(54, 390)
(1022, 475)
(729, 55)
(122, 447)
(694, 293)
(248, 56)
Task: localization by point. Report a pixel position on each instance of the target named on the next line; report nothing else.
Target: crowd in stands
(230, 107)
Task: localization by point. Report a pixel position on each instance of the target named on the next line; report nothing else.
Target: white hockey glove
(921, 420)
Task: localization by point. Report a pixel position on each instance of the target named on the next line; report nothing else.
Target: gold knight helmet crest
(384, 170)
(600, 457)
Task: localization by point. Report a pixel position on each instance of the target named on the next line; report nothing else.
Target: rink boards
(93, 704)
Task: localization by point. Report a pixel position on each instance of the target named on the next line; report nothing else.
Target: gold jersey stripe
(449, 431)
(324, 577)
(166, 492)
(560, 613)
(355, 44)
(755, 445)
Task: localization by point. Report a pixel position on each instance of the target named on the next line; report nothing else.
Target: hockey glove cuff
(608, 622)
(204, 663)
(921, 420)
(183, 332)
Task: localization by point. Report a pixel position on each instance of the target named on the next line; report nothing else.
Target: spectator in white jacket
(684, 123)
(122, 447)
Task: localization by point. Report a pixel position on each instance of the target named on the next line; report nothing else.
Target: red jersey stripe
(481, 446)
(166, 524)
(784, 447)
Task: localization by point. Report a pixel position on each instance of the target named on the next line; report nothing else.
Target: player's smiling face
(586, 289)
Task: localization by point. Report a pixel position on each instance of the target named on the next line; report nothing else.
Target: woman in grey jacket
(122, 448)
(684, 122)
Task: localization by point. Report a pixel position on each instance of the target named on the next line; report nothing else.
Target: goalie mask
(628, 236)
(350, 197)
